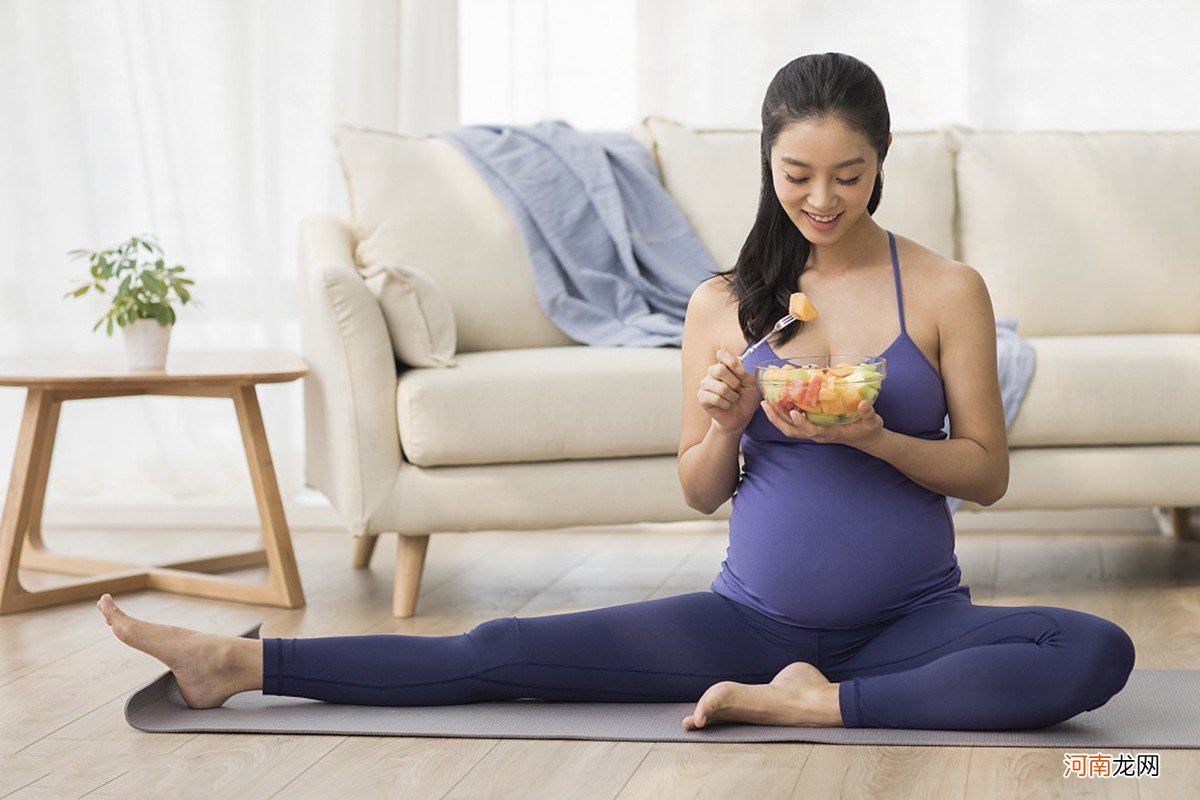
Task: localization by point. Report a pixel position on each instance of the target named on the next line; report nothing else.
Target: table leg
(23, 512)
(277, 541)
(20, 528)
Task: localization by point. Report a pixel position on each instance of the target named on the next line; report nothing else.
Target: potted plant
(143, 289)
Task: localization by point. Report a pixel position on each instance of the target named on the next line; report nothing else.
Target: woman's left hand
(854, 434)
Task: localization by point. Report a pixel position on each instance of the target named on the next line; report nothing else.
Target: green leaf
(110, 327)
(163, 315)
(186, 281)
(170, 315)
(183, 294)
(153, 284)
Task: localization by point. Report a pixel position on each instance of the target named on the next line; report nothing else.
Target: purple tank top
(824, 535)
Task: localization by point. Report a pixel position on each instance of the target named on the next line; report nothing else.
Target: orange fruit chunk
(800, 307)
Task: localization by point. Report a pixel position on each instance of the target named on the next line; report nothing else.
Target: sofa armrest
(352, 446)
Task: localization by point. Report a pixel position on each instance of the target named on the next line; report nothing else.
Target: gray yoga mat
(1158, 708)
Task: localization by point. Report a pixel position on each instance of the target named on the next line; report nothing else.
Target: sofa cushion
(1111, 389)
(1081, 233)
(714, 177)
(542, 404)
(419, 317)
(416, 200)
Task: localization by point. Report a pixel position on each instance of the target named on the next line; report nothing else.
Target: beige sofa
(1090, 240)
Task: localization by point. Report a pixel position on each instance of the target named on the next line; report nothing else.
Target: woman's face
(826, 168)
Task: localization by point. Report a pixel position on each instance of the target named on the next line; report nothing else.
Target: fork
(783, 323)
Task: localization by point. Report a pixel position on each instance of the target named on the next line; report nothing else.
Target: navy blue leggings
(952, 665)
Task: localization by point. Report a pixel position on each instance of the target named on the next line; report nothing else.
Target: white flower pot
(146, 344)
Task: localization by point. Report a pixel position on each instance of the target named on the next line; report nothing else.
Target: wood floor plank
(884, 771)
(74, 768)
(18, 770)
(107, 723)
(222, 765)
(64, 678)
(1179, 775)
(998, 773)
(556, 769)
(497, 586)
(388, 767)
(45, 700)
(1050, 562)
(627, 568)
(717, 771)
(696, 572)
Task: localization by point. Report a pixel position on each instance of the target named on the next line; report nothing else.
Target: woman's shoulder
(713, 308)
(935, 277)
(713, 299)
(716, 291)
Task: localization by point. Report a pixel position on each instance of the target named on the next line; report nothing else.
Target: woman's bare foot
(799, 695)
(208, 668)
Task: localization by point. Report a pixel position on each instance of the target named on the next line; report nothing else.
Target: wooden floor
(64, 677)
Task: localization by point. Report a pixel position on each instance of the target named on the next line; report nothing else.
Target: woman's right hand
(728, 393)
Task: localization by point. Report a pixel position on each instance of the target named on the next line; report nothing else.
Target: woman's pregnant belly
(826, 536)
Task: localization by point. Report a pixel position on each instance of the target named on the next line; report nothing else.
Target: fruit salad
(827, 389)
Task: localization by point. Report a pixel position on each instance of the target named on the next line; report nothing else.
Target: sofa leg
(410, 562)
(364, 546)
(1175, 523)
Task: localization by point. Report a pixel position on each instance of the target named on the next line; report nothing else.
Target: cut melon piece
(833, 406)
(800, 307)
(850, 398)
(824, 420)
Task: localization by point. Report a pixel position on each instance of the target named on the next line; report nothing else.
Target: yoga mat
(1158, 708)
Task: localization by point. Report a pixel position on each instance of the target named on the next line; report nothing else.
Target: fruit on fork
(800, 307)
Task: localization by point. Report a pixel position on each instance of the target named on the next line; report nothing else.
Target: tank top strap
(899, 289)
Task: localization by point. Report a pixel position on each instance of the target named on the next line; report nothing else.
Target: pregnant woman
(839, 601)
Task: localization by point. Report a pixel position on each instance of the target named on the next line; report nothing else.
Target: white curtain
(989, 64)
(207, 123)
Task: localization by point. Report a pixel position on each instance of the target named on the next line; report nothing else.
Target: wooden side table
(51, 380)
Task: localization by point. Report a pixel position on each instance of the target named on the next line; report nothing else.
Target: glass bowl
(827, 389)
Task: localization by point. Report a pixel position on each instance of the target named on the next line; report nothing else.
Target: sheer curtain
(207, 123)
(999, 64)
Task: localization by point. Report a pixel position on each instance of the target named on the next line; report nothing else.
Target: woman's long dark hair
(812, 87)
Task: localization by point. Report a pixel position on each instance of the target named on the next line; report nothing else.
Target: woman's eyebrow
(851, 162)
